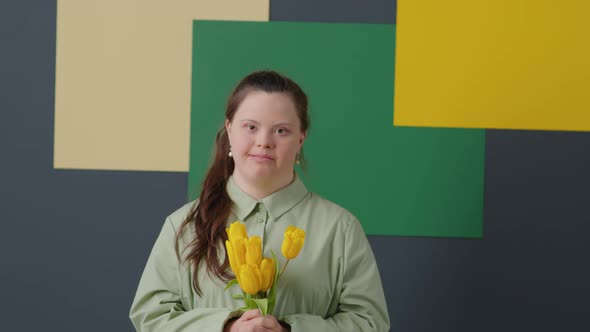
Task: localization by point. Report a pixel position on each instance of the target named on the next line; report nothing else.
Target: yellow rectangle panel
(123, 77)
(507, 64)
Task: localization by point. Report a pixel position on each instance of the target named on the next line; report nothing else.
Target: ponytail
(210, 214)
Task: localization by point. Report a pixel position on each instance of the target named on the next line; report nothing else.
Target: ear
(302, 138)
(227, 126)
(228, 130)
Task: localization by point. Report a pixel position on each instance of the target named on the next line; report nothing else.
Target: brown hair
(210, 214)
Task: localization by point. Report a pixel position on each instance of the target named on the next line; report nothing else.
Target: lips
(261, 156)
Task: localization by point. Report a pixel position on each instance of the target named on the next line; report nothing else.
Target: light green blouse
(333, 285)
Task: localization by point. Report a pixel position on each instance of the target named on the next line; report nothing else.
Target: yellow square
(507, 64)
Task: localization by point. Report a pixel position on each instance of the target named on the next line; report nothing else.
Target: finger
(267, 322)
(254, 328)
(250, 314)
(252, 325)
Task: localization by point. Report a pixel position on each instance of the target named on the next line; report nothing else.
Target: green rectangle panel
(396, 180)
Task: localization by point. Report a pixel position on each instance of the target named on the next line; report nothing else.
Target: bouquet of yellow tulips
(258, 276)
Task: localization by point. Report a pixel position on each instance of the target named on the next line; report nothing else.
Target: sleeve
(157, 305)
(362, 305)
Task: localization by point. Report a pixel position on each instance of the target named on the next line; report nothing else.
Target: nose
(264, 140)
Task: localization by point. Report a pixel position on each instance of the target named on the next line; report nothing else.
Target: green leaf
(249, 301)
(262, 305)
(276, 265)
(272, 297)
(231, 283)
(237, 296)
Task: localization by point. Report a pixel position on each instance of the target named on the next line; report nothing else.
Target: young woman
(334, 283)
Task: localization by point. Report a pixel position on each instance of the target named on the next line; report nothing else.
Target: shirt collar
(277, 203)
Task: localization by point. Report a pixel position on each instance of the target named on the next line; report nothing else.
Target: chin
(262, 175)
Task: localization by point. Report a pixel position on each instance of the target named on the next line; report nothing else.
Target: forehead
(261, 105)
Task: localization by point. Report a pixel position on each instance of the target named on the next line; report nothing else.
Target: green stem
(283, 269)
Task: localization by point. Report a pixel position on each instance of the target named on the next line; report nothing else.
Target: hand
(253, 321)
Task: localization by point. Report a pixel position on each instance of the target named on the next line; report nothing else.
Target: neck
(260, 188)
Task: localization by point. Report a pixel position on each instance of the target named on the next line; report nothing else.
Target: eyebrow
(275, 125)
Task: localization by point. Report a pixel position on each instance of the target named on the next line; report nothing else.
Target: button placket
(261, 218)
(254, 222)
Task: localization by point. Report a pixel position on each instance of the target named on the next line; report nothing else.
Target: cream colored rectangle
(123, 80)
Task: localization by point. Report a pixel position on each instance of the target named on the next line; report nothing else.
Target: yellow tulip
(239, 249)
(249, 279)
(231, 256)
(236, 230)
(237, 273)
(293, 242)
(267, 273)
(253, 250)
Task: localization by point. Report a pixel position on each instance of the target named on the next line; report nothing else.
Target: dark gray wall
(73, 243)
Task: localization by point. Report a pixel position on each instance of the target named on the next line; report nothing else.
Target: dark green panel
(397, 181)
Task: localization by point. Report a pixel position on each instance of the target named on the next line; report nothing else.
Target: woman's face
(265, 136)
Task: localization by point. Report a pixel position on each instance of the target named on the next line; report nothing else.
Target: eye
(281, 131)
(250, 127)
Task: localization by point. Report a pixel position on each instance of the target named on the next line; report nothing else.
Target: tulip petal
(267, 273)
(253, 250)
(239, 248)
(230, 255)
(249, 279)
